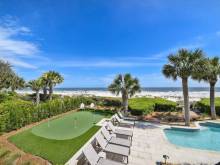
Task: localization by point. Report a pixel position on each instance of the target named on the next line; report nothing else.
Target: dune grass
(56, 151)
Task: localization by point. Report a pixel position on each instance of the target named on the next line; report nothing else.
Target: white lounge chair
(114, 140)
(130, 118)
(122, 122)
(94, 159)
(119, 131)
(112, 148)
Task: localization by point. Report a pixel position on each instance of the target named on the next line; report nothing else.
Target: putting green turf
(67, 127)
(41, 143)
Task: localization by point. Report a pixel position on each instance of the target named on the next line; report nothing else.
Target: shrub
(15, 114)
(143, 106)
(108, 101)
(164, 105)
(204, 106)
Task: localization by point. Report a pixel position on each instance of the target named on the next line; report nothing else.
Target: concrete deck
(150, 144)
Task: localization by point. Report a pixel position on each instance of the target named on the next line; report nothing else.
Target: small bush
(143, 106)
(204, 106)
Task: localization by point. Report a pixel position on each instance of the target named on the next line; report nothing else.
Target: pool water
(208, 138)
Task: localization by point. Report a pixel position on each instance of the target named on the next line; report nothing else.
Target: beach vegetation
(36, 86)
(210, 74)
(144, 105)
(50, 79)
(204, 105)
(8, 78)
(182, 65)
(125, 85)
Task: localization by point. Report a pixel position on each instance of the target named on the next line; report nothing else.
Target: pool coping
(196, 128)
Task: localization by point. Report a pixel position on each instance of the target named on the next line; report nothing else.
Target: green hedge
(144, 105)
(108, 101)
(15, 114)
(204, 105)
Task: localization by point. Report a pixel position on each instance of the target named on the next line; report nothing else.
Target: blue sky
(90, 41)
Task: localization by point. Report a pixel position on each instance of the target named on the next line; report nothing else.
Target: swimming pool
(208, 138)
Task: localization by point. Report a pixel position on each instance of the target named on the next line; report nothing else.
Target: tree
(52, 78)
(126, 86)
(5, 72)
(210, 73)
(44, 86)
(36, 86)
(183, 64)
(15, 82)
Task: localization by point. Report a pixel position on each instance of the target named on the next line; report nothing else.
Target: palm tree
(210, 73)
(44, 86)
(16, 82)
(52, 78)
(36, 85)
(183, 64)
(126, 86)
(5, 72)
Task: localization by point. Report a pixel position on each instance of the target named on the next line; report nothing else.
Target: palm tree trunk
(50, 92)
(212, 100)
(45, 92)
(125, 102)
(37, 97)
(186, 101)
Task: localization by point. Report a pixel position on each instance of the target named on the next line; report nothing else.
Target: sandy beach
(170, 95)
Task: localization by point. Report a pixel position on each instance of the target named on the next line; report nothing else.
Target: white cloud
(15, 50)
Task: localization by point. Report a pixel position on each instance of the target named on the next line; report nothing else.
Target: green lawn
(67, 127)
(52, 141)
(56, 151)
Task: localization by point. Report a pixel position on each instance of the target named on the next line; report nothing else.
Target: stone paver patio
(150, 144)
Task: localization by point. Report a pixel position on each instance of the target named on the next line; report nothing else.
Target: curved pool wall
(207, 137)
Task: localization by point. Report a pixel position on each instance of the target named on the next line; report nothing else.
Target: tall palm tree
(183, 64)
(52, 78)
(36, 86)
(210, 73)
(125, 85)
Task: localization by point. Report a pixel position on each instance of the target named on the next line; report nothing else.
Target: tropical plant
(15, 82)
(36, 86)
(183, 64)
(125, 85)
(44, 86)
(52, 78)
(5, 71)
(210, 73)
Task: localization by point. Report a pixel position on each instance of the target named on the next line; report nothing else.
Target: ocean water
(170, 93)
